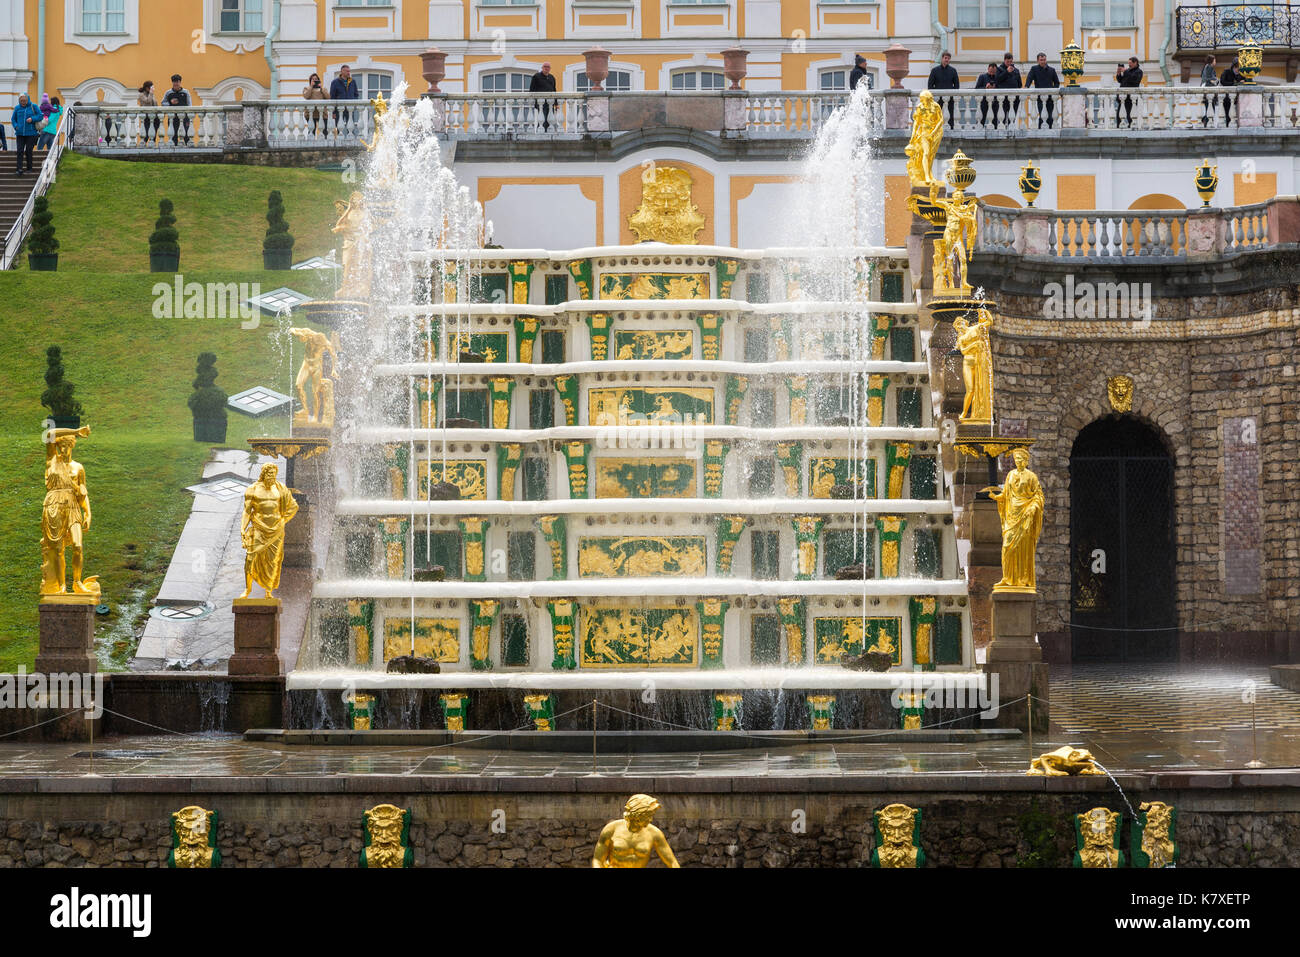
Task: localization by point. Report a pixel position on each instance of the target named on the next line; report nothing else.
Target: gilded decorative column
(525, 337)
(394, 538)
(566, 386)
(521, 272)
(508, 456)
(789, 455)
(807, 533)
(724, 711)
(881, 323)
(541, 709)
(564, 617)
(911, 710)
(576, 454)
(430, 332)
(474, 536)
(398, 458)
(361, 622)
(501, 391)
(580, 270)
(798, 388)
(713, 614)
(483, 612)
(600, 326)
(730, 528)
(427, 391)
(555, 532)
(897, 455)
(715, 463)
(889, 530)
(780, 330)
(821, 711)
(735, 395)
(360, 711)
(922, 614)
(726, 270)
(710, 324)
(794, 622)
(455, 709)
(877, 389)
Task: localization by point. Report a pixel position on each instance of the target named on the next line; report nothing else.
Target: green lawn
(133, 371)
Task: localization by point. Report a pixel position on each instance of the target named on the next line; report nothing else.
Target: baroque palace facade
(102, 50)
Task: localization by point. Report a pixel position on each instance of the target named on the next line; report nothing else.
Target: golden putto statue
(923, 147)
(976, 367)
(65, 516)
(320, 410)
(1020, 506)
(268, 507)
(355, 263)
(958, 239)
(666, 213)
(628, 842)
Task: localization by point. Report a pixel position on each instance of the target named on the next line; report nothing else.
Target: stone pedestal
(1017, 660)
(257, 637)
(67, 635)
(298, 536)
(984, 566)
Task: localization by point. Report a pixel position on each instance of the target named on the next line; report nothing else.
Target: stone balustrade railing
(989, 114)
(1201, 233)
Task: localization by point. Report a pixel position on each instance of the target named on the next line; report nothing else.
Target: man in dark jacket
(944, 77)
(858, 72)
(987, 81)
(177, 96)
(1043, 77)
(1008, 78)
(1130, 77)
(1231, 77)
(343, 87)
(543, 81)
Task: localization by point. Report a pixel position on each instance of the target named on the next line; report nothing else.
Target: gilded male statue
(356, 282)
(958, 238)
(65, 515)
(312, 371)
(268, 507)
(629, 841)
(1020, 506)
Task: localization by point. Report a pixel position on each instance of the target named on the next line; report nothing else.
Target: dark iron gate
(1122, 586)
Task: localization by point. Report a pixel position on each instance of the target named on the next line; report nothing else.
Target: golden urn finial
(666, 213)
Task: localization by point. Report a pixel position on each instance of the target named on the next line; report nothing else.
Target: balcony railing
(1215, 28)
(1126, 234)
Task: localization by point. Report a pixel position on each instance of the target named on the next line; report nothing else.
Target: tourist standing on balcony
(987, 81)
(1209, 77)
(944, 77)
(1130, 77)
(858, 72)
(146, 98)
(1008, 78)
(46, 139)
(24, 120)
(177, 96)
(314, 90)
(1231, 77)
(1043, 77)
(343, 87)
(543, 81)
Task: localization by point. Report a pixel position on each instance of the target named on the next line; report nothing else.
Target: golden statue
(1063, 762)
(976, 367)
(666, 213)
(380, 109)
(897, 826)
(356, 265)
(386, 829)
(923, 147)
(1119, 390)
(1020, 506)
(268, 507)
(193, 843)
(312, 373)
(958, 240)
(64, 515)
(629, 841)
(1158, 834)
(1097, 829)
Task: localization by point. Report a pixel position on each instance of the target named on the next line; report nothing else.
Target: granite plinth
(257, 637)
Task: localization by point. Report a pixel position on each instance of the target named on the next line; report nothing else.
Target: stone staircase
(14, 190)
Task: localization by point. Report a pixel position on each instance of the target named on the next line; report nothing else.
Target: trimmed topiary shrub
(57, 397)
(207, 402)
(164, 249)
(42, 247)
(277, 247)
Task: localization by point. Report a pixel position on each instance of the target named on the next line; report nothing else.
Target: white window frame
(510, 73)
(363, 81)
(1109, 9)
(243, 27)
(103, 13)
(963, 6)
(100, 42)
(582, 85)
(696, 73)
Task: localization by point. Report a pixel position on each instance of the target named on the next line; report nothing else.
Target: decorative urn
(1030, 182)
(1207, 181)
(597, 67)
(898, 60)
(433, 67)
(735, 66)
(1072, 64)
(1250, 60)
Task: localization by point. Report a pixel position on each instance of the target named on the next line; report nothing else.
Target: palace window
(505, 81)
(103, 16)
(502, 3)
(837, 81)
(363, 3)
(241, 16)
(617, 81)
(1105, 13)
(370, 85)
(692, 80)
(991, 14)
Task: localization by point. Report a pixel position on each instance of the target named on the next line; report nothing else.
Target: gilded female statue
(1020, 506)
(976, 367)
(65, 514)
(927, 134)
(356, 265)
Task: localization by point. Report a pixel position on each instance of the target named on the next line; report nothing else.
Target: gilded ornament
(923, 147)
(1030, 183)
(194, 839)
(354, 258)
(1207, 181)
(952, 250)
(268, 507)
(976, 367)
(1020, 506)
(896, 837)
(65, 516)
(319, 410)
(1097, 839)
(386, 829)
(1119, 389)
(1064, 761)
(1155, 848)
(629, 841)
(666, 213)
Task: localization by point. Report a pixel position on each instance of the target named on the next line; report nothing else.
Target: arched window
(617, 81)
(692, 81)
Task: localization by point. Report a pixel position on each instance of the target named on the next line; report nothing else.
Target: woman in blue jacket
(24, 120)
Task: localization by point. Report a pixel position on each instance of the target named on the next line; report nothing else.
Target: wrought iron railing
(1231, 25)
